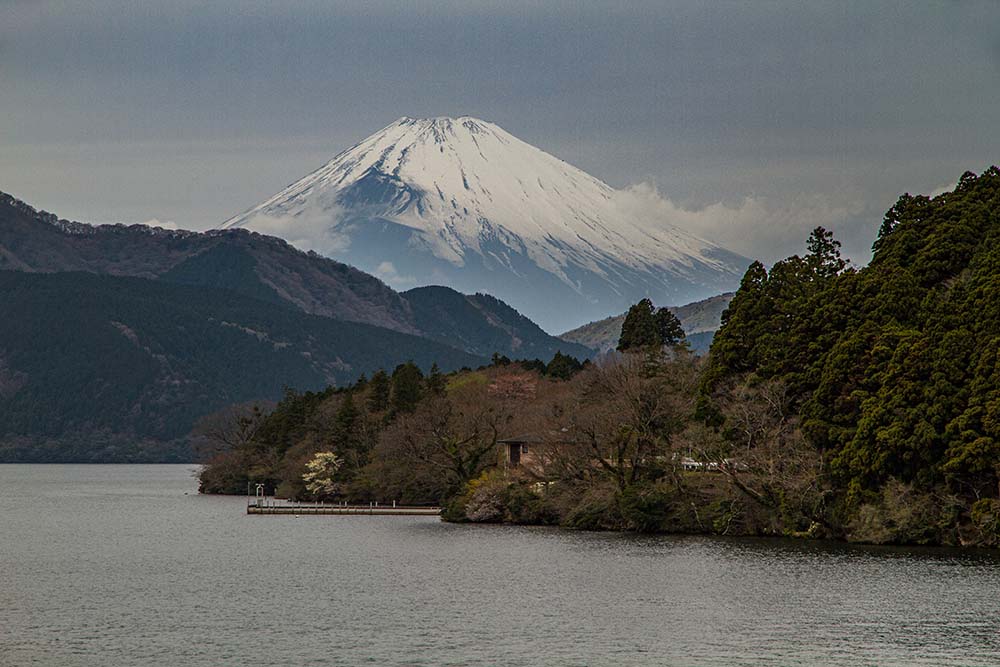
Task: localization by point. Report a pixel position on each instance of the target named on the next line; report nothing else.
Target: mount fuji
(461, 202)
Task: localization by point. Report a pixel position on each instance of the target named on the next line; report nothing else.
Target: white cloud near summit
(162, 224)
(763, 228)
(313, 229)
(386, 271)
(713, 101)
(757, 227)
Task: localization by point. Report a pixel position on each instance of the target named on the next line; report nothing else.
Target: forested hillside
(893, 370)
(836, 402)
(103, 368)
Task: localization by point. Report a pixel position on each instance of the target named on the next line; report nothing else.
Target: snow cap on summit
(463, 202)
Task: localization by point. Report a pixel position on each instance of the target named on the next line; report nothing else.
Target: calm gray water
(127, 565)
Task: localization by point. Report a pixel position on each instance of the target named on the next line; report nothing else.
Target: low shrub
(900, 515)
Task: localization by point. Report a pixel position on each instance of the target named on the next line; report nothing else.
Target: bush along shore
(855, 404)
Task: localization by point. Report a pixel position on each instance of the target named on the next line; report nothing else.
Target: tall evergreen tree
(824, 254)
(347, 417)
(639, 328)
(407, 387)
(668, 327)
(647, 327)
(436, 382)
(563, 366)
(378, 398)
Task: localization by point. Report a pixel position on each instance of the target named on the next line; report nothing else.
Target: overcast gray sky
(753, 121)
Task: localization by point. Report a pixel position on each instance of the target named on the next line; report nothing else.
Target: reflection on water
(127, 565)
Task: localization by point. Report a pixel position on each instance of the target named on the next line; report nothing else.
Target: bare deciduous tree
(452, 436)
(629, 410)
(231, 428)
(762, 450)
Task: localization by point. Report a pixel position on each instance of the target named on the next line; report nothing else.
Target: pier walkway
(272, 507)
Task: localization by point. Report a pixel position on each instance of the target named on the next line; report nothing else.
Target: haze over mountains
(700, 320)
(122, 336)
(268, 269)
(461, 202)
(116, 338)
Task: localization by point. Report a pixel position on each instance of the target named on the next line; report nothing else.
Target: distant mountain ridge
(699, 320)
(32, 240)
(482, 324)
(117, 338)
(265, 268)
(461, 202)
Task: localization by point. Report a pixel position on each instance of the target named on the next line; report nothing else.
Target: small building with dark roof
(519, 451)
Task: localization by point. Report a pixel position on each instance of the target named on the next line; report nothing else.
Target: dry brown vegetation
(607, 448)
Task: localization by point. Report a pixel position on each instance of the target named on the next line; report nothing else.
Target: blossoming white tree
(320, 472)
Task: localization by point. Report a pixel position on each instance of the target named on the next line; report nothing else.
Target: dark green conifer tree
(378, 399)
(563, 366)
(500, 359)
(347, 417)
(536, 365)
(824, 254)
(646, 327)
(407, 387)
(639, 328)
(436, 382)
(668, 327)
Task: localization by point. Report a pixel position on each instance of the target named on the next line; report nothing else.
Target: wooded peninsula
(836, 402)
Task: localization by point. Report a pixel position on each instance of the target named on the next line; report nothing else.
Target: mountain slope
(699, 320)
(33, 240)
(113, 368)
(461, 202)
(483, 325)
(258, 266)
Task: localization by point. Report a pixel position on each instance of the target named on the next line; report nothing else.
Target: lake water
(127, 565)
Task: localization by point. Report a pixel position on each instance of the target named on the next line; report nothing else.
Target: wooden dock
(342, 510)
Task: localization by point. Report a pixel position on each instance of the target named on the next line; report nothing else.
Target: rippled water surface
(127, 565)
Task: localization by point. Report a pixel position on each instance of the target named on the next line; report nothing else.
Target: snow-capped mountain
(461, 202)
